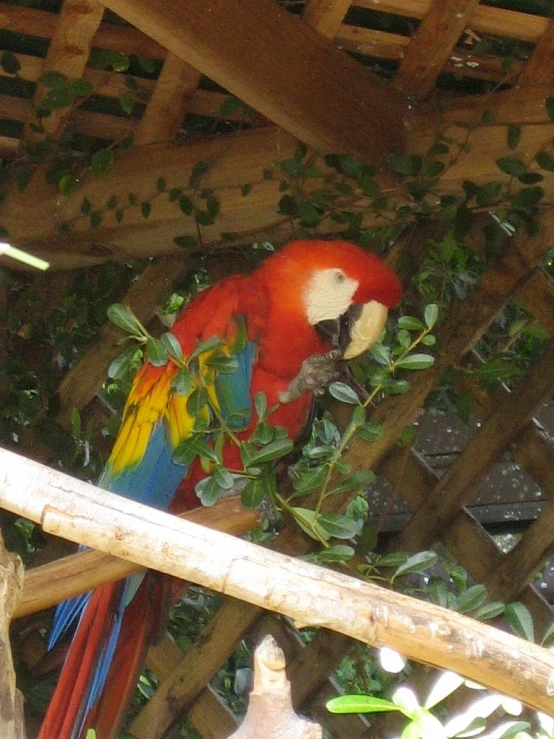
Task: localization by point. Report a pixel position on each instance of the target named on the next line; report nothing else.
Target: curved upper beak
(356, 330)
(366, 329)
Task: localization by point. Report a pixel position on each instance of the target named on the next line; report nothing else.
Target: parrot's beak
(366, 328)
(356, 330)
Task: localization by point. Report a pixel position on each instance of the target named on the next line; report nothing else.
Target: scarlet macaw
(311, 300)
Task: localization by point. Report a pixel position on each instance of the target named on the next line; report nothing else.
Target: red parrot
(307, 305)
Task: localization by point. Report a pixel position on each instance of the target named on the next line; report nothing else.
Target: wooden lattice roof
(366, 77)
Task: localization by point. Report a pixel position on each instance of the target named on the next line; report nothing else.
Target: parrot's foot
(315, 374)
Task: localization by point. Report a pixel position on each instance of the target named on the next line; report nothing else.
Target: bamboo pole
(308, 594)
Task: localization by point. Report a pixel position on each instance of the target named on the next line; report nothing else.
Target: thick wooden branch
(47, 585)
(11, 702)
(233, 43)
(270, 712)
(305, 592)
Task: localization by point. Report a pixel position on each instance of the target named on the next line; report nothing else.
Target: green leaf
(223, 364)
(339, 526)
(186, 205)
(470, 599)
(208, 345)
(197, 401)
(514, 134)
(198, 171)
(528, 198)
(68, 184)
(208, 491)
(145, 208)
(194, 446)
(122, 364)
(260, 404)
(545, 161)
(156, 353)
(122, 317)
(10, 63)
(95, 219)
(511, 165)
(370, 431)
(254, 493)
(417, 563)
(81, 87)
(101, 162)
(520, 620)
(497, 369)
(183, 382)
(343, 392)
(405, 164)
(308, 522)
(489, 194)
(127, 103)
(288, 206)
(410, 323)
(53, 80)
(489, 610)
(245, 190)
(223, 477)
(271, 451)
(336, 553)
(415, 361)
(172, 345)
(76, 423)
(394, 559)
(431, 314)
(359, 704)
(530, 178)
(161, 184)
(185, 242)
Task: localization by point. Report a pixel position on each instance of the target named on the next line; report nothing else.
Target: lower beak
(366, 329)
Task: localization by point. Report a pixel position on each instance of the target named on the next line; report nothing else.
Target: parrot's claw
(315, 374)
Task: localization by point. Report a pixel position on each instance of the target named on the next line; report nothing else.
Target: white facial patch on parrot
(328, 295)
(367, 329)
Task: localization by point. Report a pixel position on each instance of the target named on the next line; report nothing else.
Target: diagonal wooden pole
(308, 594)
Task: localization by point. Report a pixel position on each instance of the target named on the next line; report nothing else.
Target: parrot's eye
(340, 277)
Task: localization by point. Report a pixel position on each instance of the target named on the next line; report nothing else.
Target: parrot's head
(339, 290)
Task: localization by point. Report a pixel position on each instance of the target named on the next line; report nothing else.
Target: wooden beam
(233, 161)
(68, 53)
(483, 19)
(175, 87)
(539, 69)
(325, 16)
(432, 44)
(233, 43)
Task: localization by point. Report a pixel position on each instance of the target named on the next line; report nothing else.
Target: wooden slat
(187, 680)
(111, 36)
(540, 67)
(325, 16)
(68, 53)
(484, 19)
(392, 46)
(175, 87)
(432, 44)
(466, 540)
(208, 714)
(234, 45)
(457, 485)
